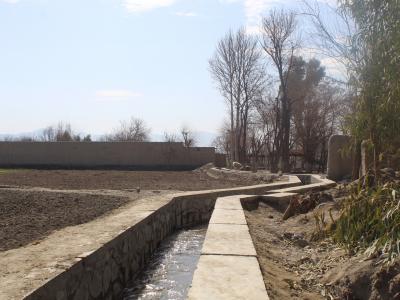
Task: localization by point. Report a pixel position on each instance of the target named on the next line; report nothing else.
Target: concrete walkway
(229, 255)
(228, 267)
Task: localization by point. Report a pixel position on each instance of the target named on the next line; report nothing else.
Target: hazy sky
(95, 62)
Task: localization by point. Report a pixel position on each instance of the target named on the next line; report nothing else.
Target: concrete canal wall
(103, 272)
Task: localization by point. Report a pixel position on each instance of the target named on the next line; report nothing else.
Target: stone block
(229, 239)
(227, 278)
(229, 202)
(340, 160)
(228, 216)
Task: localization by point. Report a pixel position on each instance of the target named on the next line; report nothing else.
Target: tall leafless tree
(170, 137)
(188, 137)
(222, 142)
(237, 68)
(279, 43)
(338, 39)
(223, 68)
(62, 132)
(335, 38)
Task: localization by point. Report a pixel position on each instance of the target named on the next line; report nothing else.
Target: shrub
(370, 220)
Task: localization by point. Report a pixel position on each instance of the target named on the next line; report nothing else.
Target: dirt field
(27, 216)
(35, 206)
(117, 180)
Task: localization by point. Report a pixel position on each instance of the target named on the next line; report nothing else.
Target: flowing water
(170, 271)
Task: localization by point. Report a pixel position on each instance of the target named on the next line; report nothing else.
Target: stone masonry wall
(104, 273)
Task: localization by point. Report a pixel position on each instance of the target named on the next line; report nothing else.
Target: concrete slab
(306, 188)
(279, 196)
(318, 183)
(227, 277)
(228, 216)
(223, 239)
(230, 202)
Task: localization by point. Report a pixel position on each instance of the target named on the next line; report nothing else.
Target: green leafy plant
(370, 221)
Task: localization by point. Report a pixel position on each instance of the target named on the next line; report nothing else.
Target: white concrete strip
(305, 188)
(222, 239)
(279, 196)
(220, 277)
(230, 202)
(228, 216)
(319, 183)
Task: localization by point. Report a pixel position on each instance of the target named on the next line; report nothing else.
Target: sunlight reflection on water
(170, 271)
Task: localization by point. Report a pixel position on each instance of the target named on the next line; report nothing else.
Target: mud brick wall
(107, 155)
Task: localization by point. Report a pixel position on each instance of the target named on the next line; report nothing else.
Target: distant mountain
(30, 134)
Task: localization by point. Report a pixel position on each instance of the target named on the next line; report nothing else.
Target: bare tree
(188, 137)
(251, 79)
(134, 130)
(48, 134)
(339, 39)
(87, 138)
(267, 119)
(170, 137)
(223, 68)
(279, 43)
(62, 132)
(221, 142)
(335, 38)
(238, 70)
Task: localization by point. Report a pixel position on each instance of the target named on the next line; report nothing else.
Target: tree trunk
(232, 135)
(285, 128)
(237, 133)
(356, 159)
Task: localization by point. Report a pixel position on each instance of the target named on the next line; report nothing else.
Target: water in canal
(170, 271)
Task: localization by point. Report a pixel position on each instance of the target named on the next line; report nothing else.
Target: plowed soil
(27, 216)
(34, 203)
(117, 180)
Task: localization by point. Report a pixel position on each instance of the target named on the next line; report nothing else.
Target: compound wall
(124, 155)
